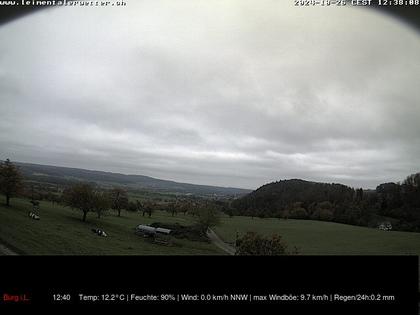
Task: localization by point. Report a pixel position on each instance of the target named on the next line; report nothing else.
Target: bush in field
(189, 232)
(207, 216)
(255, 244)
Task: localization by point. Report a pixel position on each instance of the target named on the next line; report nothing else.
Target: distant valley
(66, 175)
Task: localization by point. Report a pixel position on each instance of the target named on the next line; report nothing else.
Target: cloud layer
(231, 93)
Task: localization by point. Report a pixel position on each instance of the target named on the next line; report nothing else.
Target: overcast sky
(229, 93)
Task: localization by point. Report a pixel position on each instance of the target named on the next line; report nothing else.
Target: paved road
(6, 251)
(216, 240)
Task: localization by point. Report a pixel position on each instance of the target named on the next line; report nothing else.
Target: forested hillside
(398, 203)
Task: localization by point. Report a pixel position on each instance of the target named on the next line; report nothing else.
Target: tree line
(90, 198)
(398, 203)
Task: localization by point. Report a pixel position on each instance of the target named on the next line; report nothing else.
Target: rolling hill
(66, 175)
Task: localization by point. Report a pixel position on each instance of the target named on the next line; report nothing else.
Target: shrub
(255, 244)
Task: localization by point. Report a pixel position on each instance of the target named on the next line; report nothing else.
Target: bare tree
(119, 199)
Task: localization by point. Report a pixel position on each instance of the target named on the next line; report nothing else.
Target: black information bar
(385, 284)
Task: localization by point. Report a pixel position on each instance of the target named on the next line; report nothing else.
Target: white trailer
(158, 235)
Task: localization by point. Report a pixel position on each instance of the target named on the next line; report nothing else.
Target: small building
(145, 230)
(163, 231)
(157, 234)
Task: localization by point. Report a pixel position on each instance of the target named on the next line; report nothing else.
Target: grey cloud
(234, 93)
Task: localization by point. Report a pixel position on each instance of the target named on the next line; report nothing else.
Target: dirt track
(219, 243)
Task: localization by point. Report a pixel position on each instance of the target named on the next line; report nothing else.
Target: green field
(61, 231)
(325, 238)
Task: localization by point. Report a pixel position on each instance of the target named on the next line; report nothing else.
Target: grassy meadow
(324, 238)
(61, 231)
